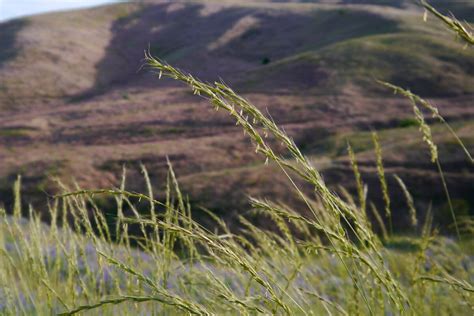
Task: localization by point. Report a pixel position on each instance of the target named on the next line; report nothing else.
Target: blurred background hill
(75, 104)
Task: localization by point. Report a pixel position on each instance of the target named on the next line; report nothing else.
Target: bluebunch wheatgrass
(428, 139)
(382, 180)
(252, 263)
(460, 29)
(415, 100)
(223, 97)
(327, 262)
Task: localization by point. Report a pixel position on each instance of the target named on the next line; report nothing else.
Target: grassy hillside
(54, 55)
(75, 54)
(425, 64)
(74, 105)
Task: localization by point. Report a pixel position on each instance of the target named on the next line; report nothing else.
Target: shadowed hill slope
(55, 55)
(84, 53)
(74, 104)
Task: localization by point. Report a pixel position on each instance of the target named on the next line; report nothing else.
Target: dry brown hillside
(75, 104)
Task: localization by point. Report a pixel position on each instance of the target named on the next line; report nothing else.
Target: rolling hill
(75, 104)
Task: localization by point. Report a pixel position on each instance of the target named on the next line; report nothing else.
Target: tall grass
(163, 262)
(188, 269)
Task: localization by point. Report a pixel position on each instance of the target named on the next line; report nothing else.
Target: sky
(15, 8)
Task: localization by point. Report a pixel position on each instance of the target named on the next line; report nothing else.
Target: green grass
(401, 138)
(188, 268)
(14, 132)
(426, 64)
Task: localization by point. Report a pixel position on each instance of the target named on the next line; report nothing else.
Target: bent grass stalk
(223, 97)
(410, 202)
(451, 23)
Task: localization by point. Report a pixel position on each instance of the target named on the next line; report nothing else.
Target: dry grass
(151, 256)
